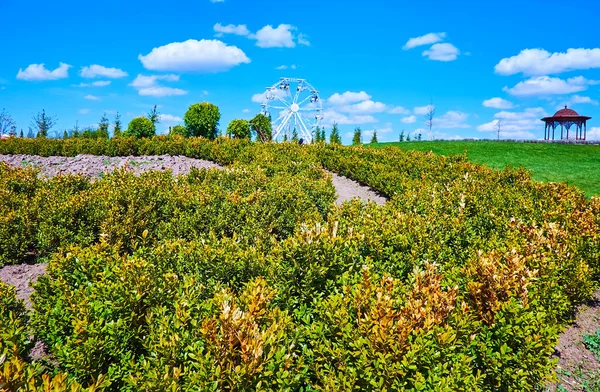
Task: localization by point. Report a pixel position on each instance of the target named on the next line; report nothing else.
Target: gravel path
(94, 166)
(348, 189)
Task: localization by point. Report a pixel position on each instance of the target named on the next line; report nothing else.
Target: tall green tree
(140, 127)
(261, 126)
(357, 138)
(42, 123)
(65, 135)
(21, 134)
(154, 117)
(374, 138)
(239, 129)
(102, 132)
(202, 119)
(295, 135)
(117, 131)
(334, 137)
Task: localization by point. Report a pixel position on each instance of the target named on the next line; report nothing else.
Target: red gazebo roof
(566, 114)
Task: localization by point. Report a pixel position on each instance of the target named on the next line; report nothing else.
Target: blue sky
(376, 64)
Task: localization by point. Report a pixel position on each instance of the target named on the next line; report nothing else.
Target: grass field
(577, 165)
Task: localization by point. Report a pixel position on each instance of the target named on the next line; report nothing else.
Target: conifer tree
(374, 138)
(357, 138)
(334, 137)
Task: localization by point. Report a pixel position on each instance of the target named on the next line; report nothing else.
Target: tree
(21, 134)
(294, 135)
(42, 123)
(408, 137)
(419, 136)
(402, 136)
(374, 138)
(6, 122)
(261, 126)
(429, 116)
(179, 130)
(30, 133)
(498, 128)
(239, 129)
(357, 139)
(13, 131)
(154, 117)
(334, 137)
(103, 125)
(202, 119)
(117, 130)
(65, 134)
(139, 127)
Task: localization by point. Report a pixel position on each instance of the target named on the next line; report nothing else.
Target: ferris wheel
(293, 104)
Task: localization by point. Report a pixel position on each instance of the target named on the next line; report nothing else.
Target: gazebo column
(562, 131)
(585, 130)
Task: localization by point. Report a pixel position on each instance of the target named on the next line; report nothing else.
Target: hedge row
(462, 281)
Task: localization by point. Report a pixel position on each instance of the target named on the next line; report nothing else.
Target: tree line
(200, 120)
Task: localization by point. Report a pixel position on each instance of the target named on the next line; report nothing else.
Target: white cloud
(426, 39)
(217, 1)
(442, 52)
(575, 99)
(279, 37)
(84, 111)
(331, 116)
(149, 86)
(38, 72)
(348, 97)
(364, 107)
(409, 119)
(534, 62)
(545, 85)
(423, 110)
(282, 67)
(398, 110)
(92, 97)
(161, 91)
(149, 81)
(593, 133)
(194, 56)
(98, 83)
(452, 120)
(170, 118)
(515, 125)
(95, 70)
(498, 103)
(246, 111)
(231, 29)
(302, 40)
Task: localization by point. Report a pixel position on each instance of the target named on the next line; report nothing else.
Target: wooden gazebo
(566, 118)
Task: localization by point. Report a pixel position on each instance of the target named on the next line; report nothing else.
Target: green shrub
(140, 127)
(202, 119)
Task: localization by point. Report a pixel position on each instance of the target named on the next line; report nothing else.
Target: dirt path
(348, 189)
(575, 362)
(20, 276)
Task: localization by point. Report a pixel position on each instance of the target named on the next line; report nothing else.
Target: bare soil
(576, 364)
(22, 276)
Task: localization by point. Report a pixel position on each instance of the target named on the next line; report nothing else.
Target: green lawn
(577, 165)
